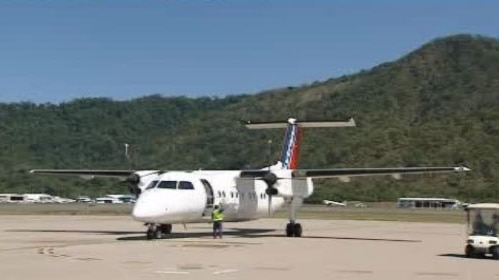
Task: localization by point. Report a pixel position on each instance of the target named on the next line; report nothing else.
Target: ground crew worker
(217, 217)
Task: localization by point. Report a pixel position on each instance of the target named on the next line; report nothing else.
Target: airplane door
(209, 193)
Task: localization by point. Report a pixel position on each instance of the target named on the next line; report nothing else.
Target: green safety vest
(217, 215)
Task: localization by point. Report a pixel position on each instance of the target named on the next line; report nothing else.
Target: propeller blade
(269, 205)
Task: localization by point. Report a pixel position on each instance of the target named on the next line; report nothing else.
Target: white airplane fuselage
(164, 201)
(181, 197)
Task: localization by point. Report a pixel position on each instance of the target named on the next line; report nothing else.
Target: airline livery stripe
(288, 152)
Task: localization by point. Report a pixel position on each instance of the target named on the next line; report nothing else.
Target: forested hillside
(438, 105)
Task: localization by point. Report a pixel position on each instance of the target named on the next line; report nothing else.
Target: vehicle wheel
(495, 252)
(290, 230)
(297, 230)
(468, 251)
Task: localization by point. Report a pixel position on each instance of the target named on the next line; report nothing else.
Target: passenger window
(152, 184)
(184, 185)
(167, 185)
(223, 193)
(231, 195)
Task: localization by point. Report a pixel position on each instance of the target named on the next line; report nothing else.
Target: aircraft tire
(290, 230)
(297, 229)
(293, 230)
(154, 232)
(166, 228)
(150, 234)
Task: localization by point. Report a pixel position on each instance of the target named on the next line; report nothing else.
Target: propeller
(270, 179)
(133, 182)
(266, 176)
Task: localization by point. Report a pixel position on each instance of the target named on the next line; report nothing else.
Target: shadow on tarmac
(462, 256)
(363, 239)
(238, 232)
(258, 233)
(105, 232)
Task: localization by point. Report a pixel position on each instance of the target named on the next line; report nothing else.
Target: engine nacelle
(296, 187)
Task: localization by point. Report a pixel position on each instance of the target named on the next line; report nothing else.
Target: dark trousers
(217, 229)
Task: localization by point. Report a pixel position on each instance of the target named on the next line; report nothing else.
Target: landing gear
(293, 229)
(165, 228)
(157, 231)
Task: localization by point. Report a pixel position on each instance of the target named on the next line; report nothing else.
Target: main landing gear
(157, 231)
(293, 229)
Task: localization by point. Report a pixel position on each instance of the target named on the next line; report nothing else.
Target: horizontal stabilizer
(284, 124)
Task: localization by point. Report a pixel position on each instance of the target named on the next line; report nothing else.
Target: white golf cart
(483, 230)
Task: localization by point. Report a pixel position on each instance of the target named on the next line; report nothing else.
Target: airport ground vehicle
(483, 230)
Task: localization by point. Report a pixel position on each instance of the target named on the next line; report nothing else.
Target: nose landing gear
(158, 231)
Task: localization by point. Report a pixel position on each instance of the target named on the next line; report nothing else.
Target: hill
(435, 106)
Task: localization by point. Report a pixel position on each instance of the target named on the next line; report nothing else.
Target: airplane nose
(146, 209)
(149, 208)
(140, 213)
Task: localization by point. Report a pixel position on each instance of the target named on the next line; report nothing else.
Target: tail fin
(291, 146)
(292, 139)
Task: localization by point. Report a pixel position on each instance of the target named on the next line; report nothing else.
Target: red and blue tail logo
(291, 148)
(292, 139)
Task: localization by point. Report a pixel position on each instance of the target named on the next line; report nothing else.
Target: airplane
(182, 197)
(333, 203)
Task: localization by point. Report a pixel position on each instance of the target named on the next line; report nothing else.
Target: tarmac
(114, 247)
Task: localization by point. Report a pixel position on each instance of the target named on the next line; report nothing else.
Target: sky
(55, 51)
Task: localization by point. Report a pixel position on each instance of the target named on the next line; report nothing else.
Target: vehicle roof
(484, 206)
(427, 199)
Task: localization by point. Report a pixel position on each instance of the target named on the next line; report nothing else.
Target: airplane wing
(132, 177)
(85, 172)
(352, 172)
(346, 173)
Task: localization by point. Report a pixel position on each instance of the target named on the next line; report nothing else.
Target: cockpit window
(152, 184)
(184, 185)
(167, 185)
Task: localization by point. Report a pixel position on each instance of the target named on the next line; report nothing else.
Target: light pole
(127, 156)
(269, 143)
